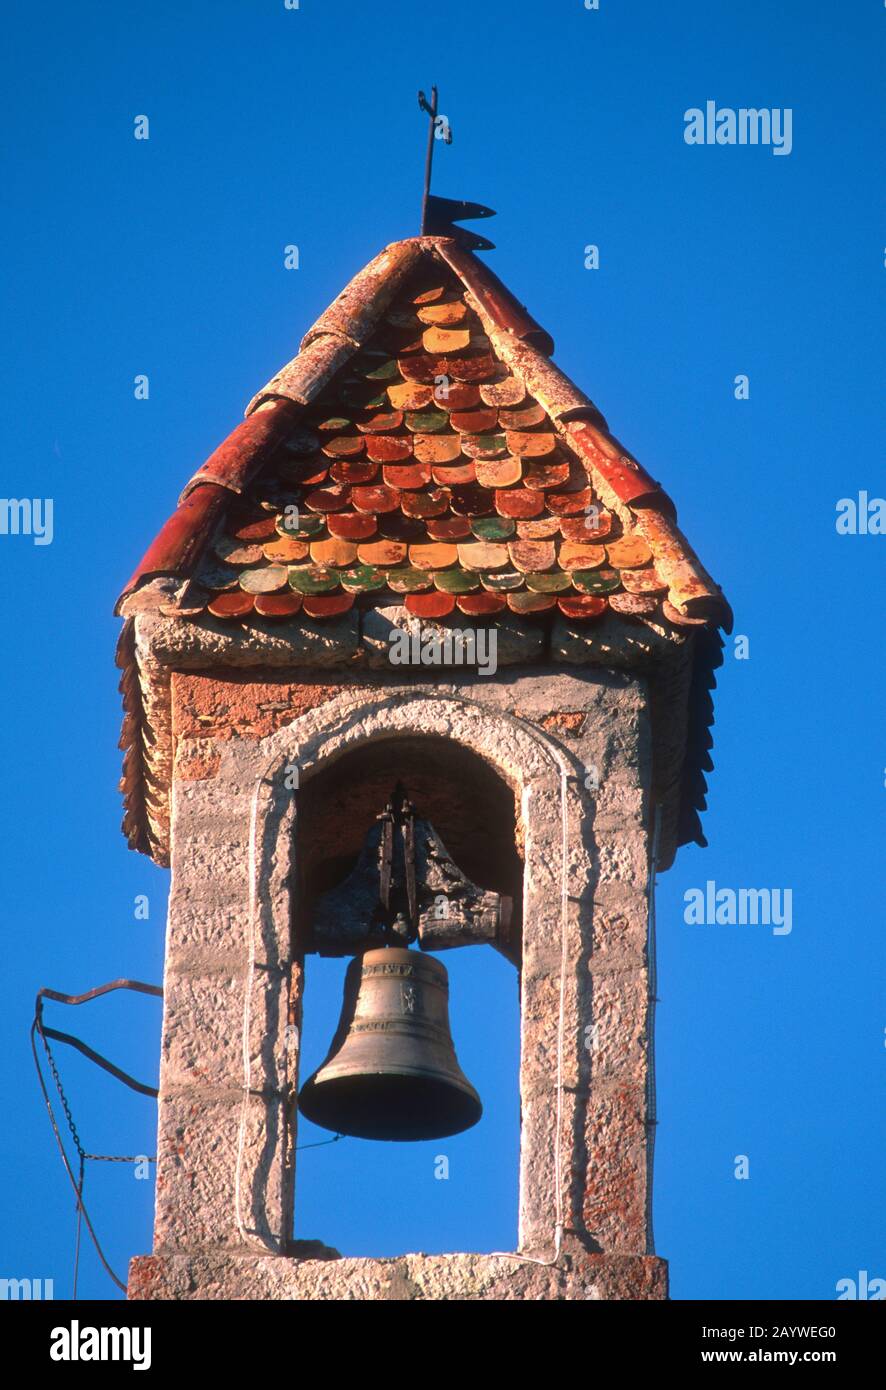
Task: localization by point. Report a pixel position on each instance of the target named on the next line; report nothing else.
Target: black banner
(89, 1338)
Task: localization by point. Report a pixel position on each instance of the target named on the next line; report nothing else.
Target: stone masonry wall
(225, 1168)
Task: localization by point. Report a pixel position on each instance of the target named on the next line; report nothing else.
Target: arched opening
(474, 811)
(460, 1193)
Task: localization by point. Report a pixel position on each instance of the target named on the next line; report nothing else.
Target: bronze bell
(392, 1072)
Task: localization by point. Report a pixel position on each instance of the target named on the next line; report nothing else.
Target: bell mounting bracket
(404, 888)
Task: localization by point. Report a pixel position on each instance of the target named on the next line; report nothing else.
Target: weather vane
(439, 214)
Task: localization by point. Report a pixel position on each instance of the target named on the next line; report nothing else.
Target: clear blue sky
(270, 126)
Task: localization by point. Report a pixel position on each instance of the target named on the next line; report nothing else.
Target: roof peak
(522, 348)
(504, 500)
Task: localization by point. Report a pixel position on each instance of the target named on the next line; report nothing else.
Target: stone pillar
(600, 730)
(224, 1154)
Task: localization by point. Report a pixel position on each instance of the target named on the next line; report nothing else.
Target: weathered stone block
(579, 1275)
(201, 1135)
(620, 924)
(203, 1028)
(616, 1039)
(516, 642)
(622, 860)
(206, 926)
(615, 1182)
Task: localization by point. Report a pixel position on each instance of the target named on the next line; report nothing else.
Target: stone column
(213, 1136)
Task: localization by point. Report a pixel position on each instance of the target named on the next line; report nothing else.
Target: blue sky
(268, 127)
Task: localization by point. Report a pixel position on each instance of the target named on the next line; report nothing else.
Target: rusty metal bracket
(137, 985)
(405, 887)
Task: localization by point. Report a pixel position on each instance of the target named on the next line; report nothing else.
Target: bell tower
(421, 562)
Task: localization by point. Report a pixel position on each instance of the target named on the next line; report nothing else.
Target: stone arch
(556, 823)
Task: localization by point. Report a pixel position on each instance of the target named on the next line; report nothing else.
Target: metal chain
(64, 1100)
(121, 1158)
(96, 1158)
(99, 1158)
(76, 1183)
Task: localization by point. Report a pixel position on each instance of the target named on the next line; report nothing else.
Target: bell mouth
(390, 1107)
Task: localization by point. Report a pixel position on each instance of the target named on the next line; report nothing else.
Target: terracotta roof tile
(422, 448)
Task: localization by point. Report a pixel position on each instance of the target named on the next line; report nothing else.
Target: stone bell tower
(422, 559)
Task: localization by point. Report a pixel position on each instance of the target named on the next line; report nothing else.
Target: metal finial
(439, 214)
(431, 108)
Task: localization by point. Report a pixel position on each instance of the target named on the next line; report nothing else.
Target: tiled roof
(442, 462)
(421, 449)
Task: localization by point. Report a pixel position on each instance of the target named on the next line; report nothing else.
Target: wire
(102, 1062)
(79, 1223)
(36, 1028)
(78, 1183)
(321, 1144)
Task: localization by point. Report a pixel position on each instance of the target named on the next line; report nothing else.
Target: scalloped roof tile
(422, 445)
(422, 448)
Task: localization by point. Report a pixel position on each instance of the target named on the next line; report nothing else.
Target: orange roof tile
(441, 420)
(422, 449)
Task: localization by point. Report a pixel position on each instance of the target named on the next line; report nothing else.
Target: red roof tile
(441, 431)
(422, 448)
